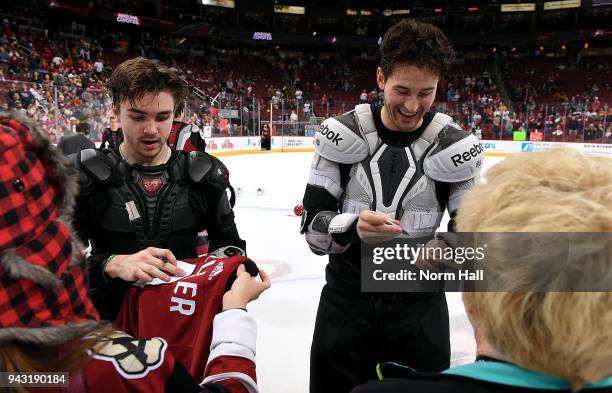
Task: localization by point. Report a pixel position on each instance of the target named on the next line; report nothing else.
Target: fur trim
(53, 335)
(78, 251)
(18, 268)
(64, 176)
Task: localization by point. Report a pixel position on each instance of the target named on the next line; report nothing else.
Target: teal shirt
(510, 374)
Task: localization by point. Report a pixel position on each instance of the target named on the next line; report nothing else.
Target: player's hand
(245, 289)
(144, 266)
(373, 227)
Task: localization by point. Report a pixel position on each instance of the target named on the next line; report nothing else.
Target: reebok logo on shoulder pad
(462, 158)
(331, 135)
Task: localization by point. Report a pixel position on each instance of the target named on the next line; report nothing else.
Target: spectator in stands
(558, 134)
(4, 60)
(599, 133)
(73, 143)
(307, 111)
(72, 125)
(19, 107)
(26, 96)
(572, 126)
(363, 97)
(293, 119)
(497, 117)
(532, 341)
(591, 132)
(99, 66)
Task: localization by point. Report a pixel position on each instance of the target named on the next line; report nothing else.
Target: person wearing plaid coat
(47, 320)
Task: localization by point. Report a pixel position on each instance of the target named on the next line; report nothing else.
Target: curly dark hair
(410, 42)
(135, 78)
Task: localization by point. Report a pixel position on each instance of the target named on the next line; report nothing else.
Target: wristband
(238, 308)
(106, 261)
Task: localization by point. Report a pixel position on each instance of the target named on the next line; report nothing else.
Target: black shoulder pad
(450, 134)
(95, 164)
(206, 169)
(86, 183)
(200, 165)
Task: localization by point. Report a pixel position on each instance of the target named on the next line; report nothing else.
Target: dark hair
(83, 128)
(410, 42)
(135, 78)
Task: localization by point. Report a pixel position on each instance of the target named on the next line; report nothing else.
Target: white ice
(286, 312)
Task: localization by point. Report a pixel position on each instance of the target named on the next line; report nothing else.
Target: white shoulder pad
(194, 128)
(456, 156)
(338, 139)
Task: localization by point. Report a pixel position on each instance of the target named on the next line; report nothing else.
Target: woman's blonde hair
(567, 334)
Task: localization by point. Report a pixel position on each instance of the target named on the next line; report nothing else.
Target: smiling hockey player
(398, 165)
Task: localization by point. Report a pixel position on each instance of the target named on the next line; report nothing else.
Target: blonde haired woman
(536, 341)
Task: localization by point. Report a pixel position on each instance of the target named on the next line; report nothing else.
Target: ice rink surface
(285, 313)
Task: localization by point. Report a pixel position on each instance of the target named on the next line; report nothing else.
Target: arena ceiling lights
(289, 9)
(361, 12)
(220, 3)
(389, 12)
(548, 6)
(557, 5)
(523, 7)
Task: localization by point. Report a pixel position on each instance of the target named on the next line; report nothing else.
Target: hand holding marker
(389, 222)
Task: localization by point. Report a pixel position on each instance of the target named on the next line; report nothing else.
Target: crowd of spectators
(60, 82)
(567, 97)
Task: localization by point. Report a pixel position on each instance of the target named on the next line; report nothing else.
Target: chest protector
(147, 207)
(403, 182)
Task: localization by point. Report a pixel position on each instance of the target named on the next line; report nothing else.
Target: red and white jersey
(186, 137)
(181, 313)
(124, 364)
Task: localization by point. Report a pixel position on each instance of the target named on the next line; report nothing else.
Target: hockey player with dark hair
(48, 322)
(142, 204)
(373, 166)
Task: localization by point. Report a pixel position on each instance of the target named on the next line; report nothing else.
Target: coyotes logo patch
(151, 185)
(132, 357)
